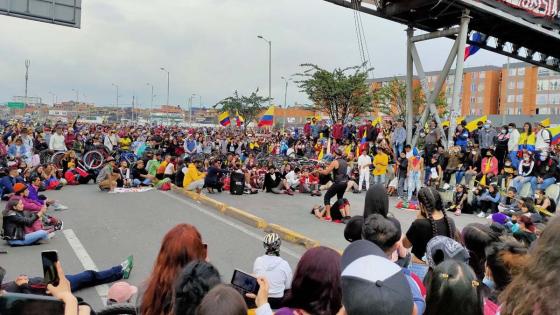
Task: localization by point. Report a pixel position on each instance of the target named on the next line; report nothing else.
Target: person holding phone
(15, 222)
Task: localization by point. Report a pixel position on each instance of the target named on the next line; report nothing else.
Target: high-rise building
(518, 89)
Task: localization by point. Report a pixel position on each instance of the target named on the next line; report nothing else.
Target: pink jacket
(493, 166)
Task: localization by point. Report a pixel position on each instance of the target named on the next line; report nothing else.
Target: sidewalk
(293, 212)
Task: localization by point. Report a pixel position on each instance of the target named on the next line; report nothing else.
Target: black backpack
(237, 183)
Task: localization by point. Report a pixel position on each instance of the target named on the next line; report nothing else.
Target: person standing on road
(338, 167)
(364, 161)
(275, 269)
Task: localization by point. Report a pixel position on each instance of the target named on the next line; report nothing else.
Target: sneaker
(446, 186)
(59, 207)
(127, 266)
(328, 219)
(481, 215)
(59, 226)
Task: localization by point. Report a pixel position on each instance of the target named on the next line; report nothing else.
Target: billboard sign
(543, 12)
(59, 12)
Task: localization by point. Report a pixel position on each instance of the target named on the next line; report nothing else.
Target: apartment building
(518, 89)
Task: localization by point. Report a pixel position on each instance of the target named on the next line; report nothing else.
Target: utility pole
(269, 67)
(163, 69)
(151, 102)
(27, 64)
(117, 104)
(285, 100)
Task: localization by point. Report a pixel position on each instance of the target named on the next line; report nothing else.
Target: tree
(247, 106)
(390, 99)
(342, 93)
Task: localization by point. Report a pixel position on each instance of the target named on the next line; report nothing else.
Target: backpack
(237, 183)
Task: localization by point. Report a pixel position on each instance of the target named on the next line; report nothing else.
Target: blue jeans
(459, 177)
(379, 179)
(519, 181)
(397, 148)
(514, 159)
(90, 278)
(136, 182)
(30, 238)
(413, 183)
(544, 185)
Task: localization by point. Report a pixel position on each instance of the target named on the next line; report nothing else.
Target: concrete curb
(250, 219)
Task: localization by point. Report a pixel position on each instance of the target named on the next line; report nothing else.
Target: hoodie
(192, 175)
(278, 273)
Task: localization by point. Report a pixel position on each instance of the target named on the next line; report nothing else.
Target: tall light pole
(269, 66)
(190, 108)
(285, 99)
(163, 69)
(151, 102)
(53, 97)
(117, 99)
(77, 96)
(27, 64)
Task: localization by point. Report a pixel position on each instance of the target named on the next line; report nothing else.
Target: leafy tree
(341, 93)
(247, 106)
(390, 99)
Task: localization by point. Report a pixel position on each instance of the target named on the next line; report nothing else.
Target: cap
(121, 292)
(499, 218)
(19, 187)
(371, 283)
(441, 248)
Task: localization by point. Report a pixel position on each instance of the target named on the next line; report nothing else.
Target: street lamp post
(163, 69)
(151, 102)
(190, 108)
(269, 67)
(285, 99)
(117, 99)
(53, 97)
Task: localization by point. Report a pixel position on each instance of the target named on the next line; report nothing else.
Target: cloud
(210, 47)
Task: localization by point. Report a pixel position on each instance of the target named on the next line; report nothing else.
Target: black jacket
(14, 223)
(270, 183)
(545, 169)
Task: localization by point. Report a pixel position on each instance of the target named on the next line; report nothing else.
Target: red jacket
(337, 131)
(307, 129)
(69, 140)
(493, 166)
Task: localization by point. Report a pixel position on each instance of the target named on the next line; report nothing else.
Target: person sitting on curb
(194, 179)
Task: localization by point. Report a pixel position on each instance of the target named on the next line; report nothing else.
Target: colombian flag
(268, 118)
(224, 119)
(447, 122)
(473, 49)
(555, 132)
(239, 119)
(471, 126)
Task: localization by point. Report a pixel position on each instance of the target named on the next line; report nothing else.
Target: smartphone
(50, 274)
(30, 304)
(245, 282)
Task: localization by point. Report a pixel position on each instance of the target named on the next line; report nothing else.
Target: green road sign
(15, 105)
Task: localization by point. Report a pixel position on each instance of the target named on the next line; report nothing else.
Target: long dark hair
(316, 285)
(505, 260)
(536, 287)
(453, 283)
(431, 200)
(196, 279)
(476, 237)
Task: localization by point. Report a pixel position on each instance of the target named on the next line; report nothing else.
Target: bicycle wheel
(93, 160)
(56, 159)
(44, 156)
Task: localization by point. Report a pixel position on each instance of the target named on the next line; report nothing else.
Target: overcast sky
(210, 47)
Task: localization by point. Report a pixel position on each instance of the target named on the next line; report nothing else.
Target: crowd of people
(500, 267)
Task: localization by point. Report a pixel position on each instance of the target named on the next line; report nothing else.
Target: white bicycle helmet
(272, 243)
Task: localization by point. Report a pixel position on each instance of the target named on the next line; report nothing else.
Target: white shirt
(278, 273)
(542, 141)
(291, 177)
(169, 169)
(110, 141)
(513, 141)
(363, 160)
(56, 142)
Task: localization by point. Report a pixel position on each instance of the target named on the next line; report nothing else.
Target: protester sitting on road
(453, 283)
(193, 283)
(504, 260)
(527, 230)
(211, 180)
(535, 289)
(222, 300)
(83, 280)
(107, 178)
(431, 221)
(292, 177)
(48, 223)
(7, 182)
(508, 204)
(316, 285)
(18, 151)
(194, 179)
(181, 245)
(125, 179)
(275, 269)
(275, 183)
(14, 224)
(140, 176)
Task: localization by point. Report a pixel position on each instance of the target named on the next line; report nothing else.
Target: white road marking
(226, 221)
(85, 259)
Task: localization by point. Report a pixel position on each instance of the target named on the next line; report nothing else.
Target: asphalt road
(101, 229)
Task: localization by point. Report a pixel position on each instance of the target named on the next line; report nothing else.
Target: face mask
(504, 131)
(508, 163)
(486, 126)
(489, 283)
(537, 196)
(542, 158)
(474, 152)
(526, 159)
(510, 130)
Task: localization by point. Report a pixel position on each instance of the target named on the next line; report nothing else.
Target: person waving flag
(224, 119)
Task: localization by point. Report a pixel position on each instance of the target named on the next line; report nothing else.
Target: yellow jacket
(192, 175)
(380, 161)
